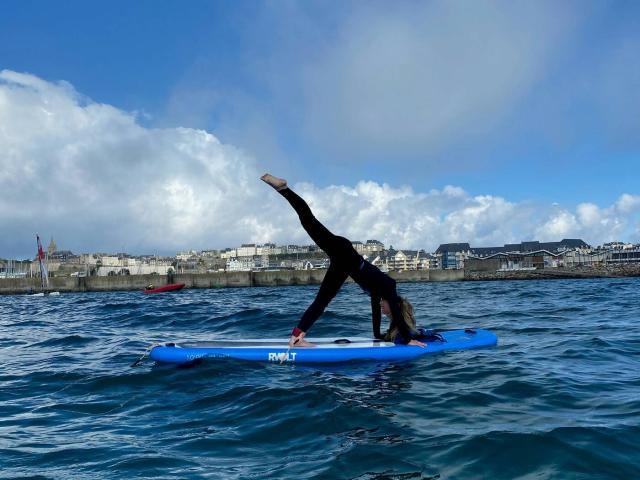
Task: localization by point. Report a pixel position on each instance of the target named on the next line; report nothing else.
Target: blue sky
(535, 103)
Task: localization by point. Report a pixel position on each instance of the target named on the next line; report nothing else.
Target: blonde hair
(407, 315)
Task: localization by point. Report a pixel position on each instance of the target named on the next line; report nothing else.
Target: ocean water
(559, 397)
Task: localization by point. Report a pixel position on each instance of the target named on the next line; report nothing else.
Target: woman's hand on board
(299, 341)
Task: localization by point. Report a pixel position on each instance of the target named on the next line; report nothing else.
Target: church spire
(52, 248)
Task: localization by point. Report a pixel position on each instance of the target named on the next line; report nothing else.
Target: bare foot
(275, 182)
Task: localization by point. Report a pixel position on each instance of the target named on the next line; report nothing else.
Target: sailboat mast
(44, 274)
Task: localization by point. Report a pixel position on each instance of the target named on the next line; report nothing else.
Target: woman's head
(384, 307)
(405, 307)
(407, 314)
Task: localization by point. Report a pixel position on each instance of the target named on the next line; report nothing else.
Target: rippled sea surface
(559, 397)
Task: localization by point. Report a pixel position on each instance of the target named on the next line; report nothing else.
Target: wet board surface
(326, 350)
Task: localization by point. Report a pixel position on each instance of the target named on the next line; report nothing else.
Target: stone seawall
(596, 271)
(205, 280)
(295, 277)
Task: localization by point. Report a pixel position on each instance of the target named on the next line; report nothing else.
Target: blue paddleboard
(326, 350)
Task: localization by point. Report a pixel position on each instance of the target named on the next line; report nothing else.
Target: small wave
(65, 341)
(556, 398)
(393, 475)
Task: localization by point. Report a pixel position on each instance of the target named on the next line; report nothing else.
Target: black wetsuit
(346, 262)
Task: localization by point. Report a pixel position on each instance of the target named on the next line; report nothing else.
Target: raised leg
(275, 182)
(320, 234)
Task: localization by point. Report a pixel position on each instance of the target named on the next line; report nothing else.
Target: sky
(144, 126)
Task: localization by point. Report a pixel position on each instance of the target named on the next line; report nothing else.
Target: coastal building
(247, 250)
(135, 269)
(531, 254)
(625, 255)
(515, 261)
(187, 255)
(293, 249)
(580, 257)
(532, 246)
(613, 253)
(88, 259)
(400, 260)
(63, 256)
(270, 249)
(432, 261)
(380, 260)
(241, 264)
(528, 255)
(112, 261)
(373, 246)
(309, 265)
(387, 259)
(615, 246)
(358, 246)
(265, 248)
(250, 256)
(228, 253)
(409, 260)
(452, 255)
(255, 263)
(15, 268)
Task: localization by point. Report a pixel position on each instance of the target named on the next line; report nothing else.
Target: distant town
(525, 256)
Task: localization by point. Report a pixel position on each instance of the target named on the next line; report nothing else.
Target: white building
(246, 250)
(409, 260)
(358, 246)
(184, 256)
(290, 249)
(110, 265)
(140, 269)
(229, 253)
(111, 261)
(373, 246)
(88, 259)
(241, 264)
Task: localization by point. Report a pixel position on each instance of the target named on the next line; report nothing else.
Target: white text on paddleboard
(282, 357)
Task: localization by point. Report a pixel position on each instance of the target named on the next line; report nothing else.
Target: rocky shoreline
(595, 271)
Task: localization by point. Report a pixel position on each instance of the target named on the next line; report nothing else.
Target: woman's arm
(376, 316)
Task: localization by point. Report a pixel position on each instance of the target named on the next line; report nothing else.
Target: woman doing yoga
(346, 262)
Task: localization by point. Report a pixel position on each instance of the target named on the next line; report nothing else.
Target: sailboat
(44, 273)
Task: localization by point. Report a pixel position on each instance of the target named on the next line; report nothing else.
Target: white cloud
(559, 225)
(595, 224)
(628, 203)
(92, 177)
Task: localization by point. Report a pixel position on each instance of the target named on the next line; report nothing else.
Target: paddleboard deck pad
(326, 350)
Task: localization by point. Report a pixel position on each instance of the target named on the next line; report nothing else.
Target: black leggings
(344, 259)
